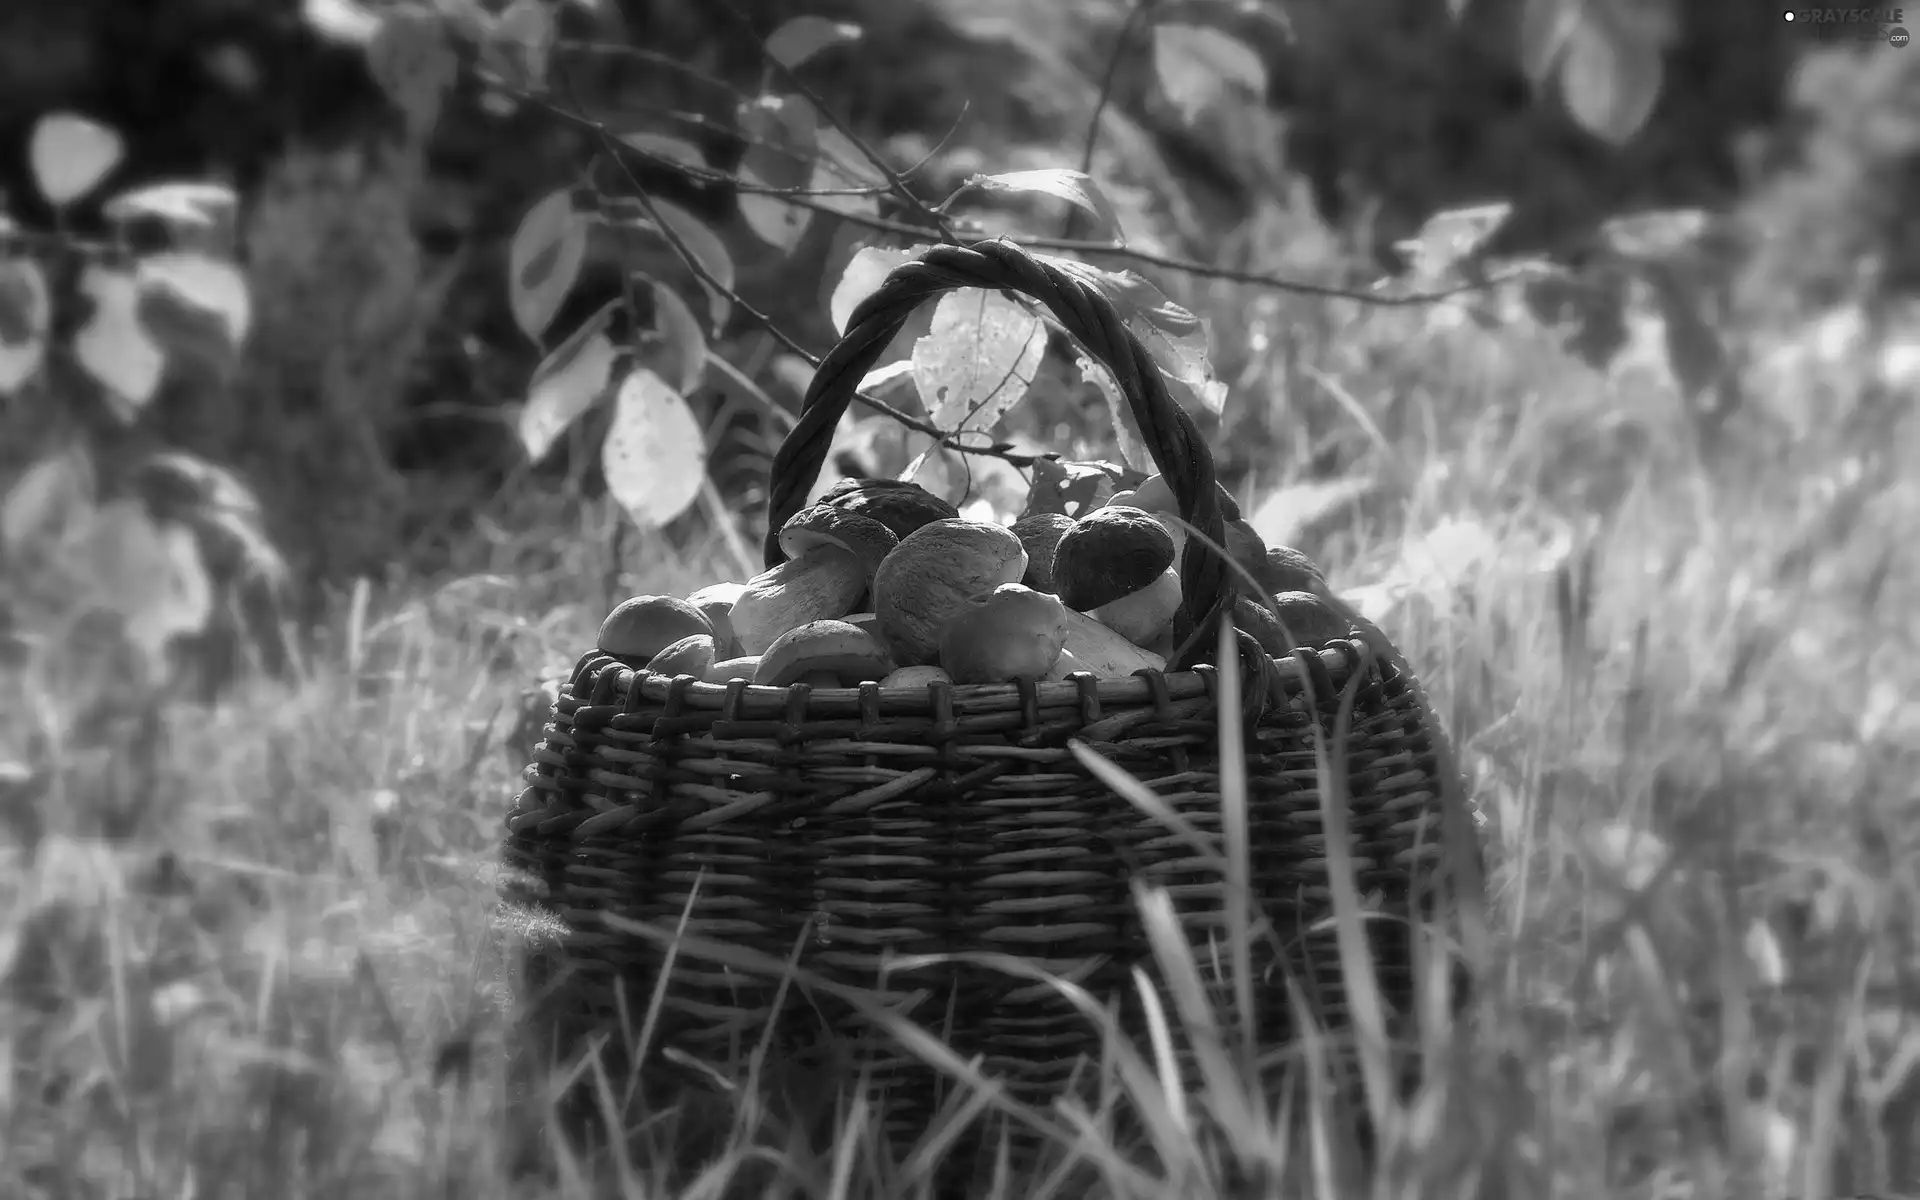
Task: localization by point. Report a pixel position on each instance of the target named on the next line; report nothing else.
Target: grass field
(248, 951)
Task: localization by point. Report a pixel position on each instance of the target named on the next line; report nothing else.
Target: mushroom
(822, 585)
(1039, 534)
(867, 621)
(934, 569)
(1309, 621)
(727, 670)
(824, 526)
(1116, 563)
(901, 506)
(1011, 632)
(823, 654)
(1288, 570)
(1102, 651)
(916, 677)
(688, 656)
(640, 627)
(1065, 664)
(715, 602)
(1258, 620)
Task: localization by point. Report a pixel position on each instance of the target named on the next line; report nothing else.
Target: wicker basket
(855, 824)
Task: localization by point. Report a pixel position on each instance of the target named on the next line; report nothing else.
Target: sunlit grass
(1682, 694)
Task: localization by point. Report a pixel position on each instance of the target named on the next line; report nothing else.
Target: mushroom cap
(1011, 632)
(916, 677)
(1245, 546)
(898, 504)
(715, 602)
(1155, 494)
(846, 652)
(1311, 621)
(728, 669)
(1288, 570)
(823, 525)
(1109, 553)
(1256, 619)
(642, 626)
(934, 569)
(824, 585)
(1143, 615)
(1040, 534)
(689, 656)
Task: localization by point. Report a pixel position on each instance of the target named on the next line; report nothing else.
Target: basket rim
(1331, 666)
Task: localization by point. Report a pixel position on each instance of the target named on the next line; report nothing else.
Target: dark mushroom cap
(899, 505)
(1109, 553)
(641, 627)
(846, 652)
(1256, 619)
(866, 539)
(1288, 570)
(1310, 620)
(1040, 534)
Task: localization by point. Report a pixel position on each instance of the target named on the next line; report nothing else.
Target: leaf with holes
(1695, 352)
(26, 316)
(864, 274)
(1071, 489)
(683, 357)
(842, 165)
(50, 501)
(1176, 338)
(568, 382)
(801, 38)
(114, 346)
(70, 155)
(704, 246)
(1126, 430)
(654, 458)
(678, 151)
(781, 133)
(544, 260)
(1197, 66)
(979, 359)
(1075, 187)
(1610, 78)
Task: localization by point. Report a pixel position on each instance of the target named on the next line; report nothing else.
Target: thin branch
(1138, 15)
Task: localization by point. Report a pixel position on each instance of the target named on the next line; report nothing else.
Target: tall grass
(249, 950)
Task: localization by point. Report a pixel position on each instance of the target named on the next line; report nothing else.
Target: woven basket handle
(1170, 434)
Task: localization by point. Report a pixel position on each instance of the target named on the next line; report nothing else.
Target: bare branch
(1135, 18)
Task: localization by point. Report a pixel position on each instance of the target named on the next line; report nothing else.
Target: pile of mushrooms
(886, 583)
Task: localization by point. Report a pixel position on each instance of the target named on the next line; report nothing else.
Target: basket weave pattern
(861, 824)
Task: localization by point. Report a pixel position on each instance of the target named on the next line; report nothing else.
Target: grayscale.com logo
(1851, 24)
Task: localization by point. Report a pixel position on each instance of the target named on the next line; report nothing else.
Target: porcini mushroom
(823, 585)
(640, 627)
(1115, 563)
(1308, 620)
(824, 654)
(931, 572)
(1288, 570)
(1011, 632)
(1256, 619)
(715, 602)
(824, 526)
(915, 677)
(727, 670)
(898, 504)
(1102, 651)
(688, 656)
(1039, 534)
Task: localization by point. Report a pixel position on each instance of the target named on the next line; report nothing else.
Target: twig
(1139, 13)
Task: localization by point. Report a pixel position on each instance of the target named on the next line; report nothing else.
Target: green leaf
(114, 346)
(978, 360)
(841, 164)
(801, 38)
(655, 457)
(782, 136)
(1449, 237)
(70, 155)
(205, 284)
(868, 269)
(50, 500)
(26, 316)
(181, 205)
(684, 363)
(665, 146)
(1695, 352)
(1075, 187)
(568, 382)
(413, 62)
(1610, 79)
(704, 246)
(1197, 66)
(1545, 26)
(1126, 430)
(1176, 338)
(544, 261)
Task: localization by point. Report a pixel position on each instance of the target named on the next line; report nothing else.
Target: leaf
(782, 142)
(1126, 430)
(841, 164)
(203, 283)
(654, 458)
(544, 261)
(181, 205)
(880, 377)
(706, 249)
(1545, 26)
(778, 223)
(1071, 489)
(1176, 338)
(1196, 66)
(1449, 237)
(979, 359)
(70, 155)
(413, 62)
(567, 383)
(679, 330)
(869, 269)
(1695, 352)
(799, 39)
(1609, 79)
(1075, 187)
(151, 573)
(665, 146)
(522, 42)
(26, 315)
(50, 500)
(114, 346)
(345, 21)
